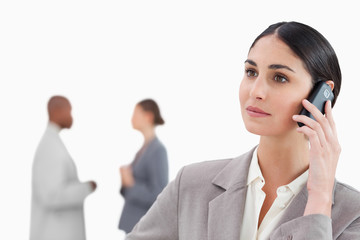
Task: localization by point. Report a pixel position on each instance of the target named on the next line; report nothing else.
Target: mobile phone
(319, 95)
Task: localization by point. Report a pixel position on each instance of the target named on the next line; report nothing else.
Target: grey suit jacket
(150, 171)
(207, 200)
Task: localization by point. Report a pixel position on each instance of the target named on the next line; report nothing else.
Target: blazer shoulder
(224, 173)
(346, 209)
(199, 175)
(345, 193)
(210, 167)
(50, 146)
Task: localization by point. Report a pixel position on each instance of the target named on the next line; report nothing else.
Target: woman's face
(274, 84)
(140, 118)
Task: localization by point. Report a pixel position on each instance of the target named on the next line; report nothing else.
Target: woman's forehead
(271, 50)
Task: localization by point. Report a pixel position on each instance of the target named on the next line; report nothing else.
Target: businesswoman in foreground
(285, 187)
(147, 175)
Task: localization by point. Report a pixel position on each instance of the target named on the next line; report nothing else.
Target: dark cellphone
(318, 96)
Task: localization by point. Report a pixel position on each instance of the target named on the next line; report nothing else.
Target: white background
(105, 56)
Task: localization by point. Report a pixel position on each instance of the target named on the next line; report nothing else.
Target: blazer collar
(235, 173)
(226, 210)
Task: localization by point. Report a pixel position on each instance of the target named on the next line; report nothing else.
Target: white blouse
(255, 198)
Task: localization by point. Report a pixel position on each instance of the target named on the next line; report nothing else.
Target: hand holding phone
(320, 94)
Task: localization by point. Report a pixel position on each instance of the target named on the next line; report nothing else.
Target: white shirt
(255, 198)
(57, 194)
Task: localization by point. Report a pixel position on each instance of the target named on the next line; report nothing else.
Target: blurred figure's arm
(52, 186)
(127, 177)
(145, 193)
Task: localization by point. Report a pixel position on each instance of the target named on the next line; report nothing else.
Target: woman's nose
(258, 89)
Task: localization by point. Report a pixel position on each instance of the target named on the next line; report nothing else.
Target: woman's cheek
(243, 93)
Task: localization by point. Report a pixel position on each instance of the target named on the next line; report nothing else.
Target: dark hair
(149, 105)
(312, 48)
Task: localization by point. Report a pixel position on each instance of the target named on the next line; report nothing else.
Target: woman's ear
(331, 84)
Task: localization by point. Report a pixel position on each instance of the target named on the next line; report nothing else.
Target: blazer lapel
(226, 211)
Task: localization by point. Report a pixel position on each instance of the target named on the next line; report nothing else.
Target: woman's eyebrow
(272, 66)
(279, 66)
(251, 62)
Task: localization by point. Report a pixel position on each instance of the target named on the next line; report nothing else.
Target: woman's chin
(255, 130)
(261, 130)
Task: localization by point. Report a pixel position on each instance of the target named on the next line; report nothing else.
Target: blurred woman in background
(147, 175)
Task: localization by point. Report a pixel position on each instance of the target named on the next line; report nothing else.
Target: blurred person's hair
(149, 105)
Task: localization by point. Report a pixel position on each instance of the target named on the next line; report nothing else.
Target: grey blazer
(150, 170)
(207, 200)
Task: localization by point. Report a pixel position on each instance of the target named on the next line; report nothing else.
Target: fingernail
(295, 117)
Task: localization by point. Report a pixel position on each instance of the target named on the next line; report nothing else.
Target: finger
(312, 125)
(313, 110)
(312, 136)
(320, 118)
(330, 118)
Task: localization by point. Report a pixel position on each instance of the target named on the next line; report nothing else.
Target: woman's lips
(256, 112)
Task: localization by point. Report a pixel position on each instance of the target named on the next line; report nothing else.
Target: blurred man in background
(57, 194)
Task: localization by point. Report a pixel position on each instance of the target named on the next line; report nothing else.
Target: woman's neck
(283, 159)
(149, 134)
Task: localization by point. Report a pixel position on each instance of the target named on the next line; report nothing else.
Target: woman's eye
(251, 73)
(280, 79)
